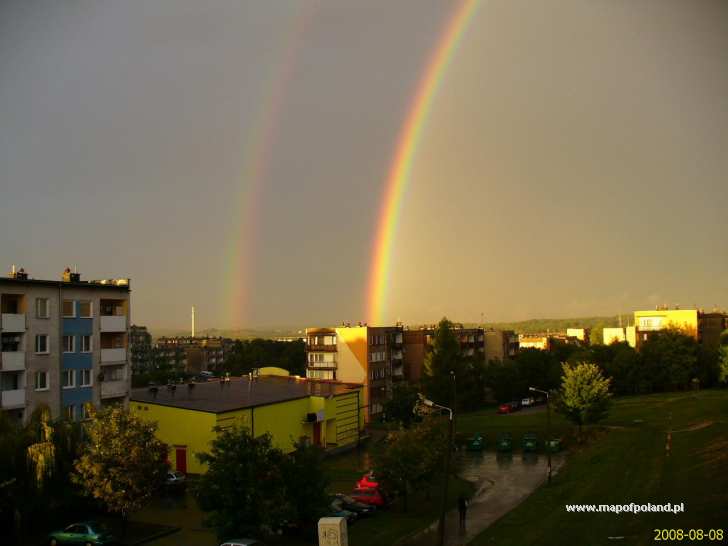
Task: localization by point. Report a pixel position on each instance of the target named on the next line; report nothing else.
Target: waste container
(529, 443)
(476, 443)
(504, 442)
(553, 445)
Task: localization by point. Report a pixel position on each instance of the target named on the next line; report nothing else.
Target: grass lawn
(388, 526)
(625, 461)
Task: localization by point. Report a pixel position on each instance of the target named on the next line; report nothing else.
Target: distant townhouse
(705, 327)
(500, 344)
(582, 335)
(369, 355)
(418, 343)
(64, 344)
(620, 334)
(140, 348)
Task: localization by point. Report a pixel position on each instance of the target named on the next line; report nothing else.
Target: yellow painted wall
(284, 421)
(179, 427)
(682, 319)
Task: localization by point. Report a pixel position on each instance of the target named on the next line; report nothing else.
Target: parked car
(337, 510)
(361, 509)
(369, 495)
(86, 533)
(526, 402)
(368, 480)
(504, 408)
(243, 542)
(515, 405)
(175, 478)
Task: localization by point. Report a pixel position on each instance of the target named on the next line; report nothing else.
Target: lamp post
(451, 413)
(548, 427)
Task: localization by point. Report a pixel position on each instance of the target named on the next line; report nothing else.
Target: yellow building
(704, 327)
(288, 408)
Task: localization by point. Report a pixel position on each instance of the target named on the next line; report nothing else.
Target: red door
(181, 459)
(317, 434)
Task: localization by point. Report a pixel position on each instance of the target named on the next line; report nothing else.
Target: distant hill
(533, 326)
(237, 333)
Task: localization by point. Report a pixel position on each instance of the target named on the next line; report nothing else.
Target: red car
(368, 481)
(505, 408)
(369, 495)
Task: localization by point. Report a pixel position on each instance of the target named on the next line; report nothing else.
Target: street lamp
(548, 427)
(451, 414)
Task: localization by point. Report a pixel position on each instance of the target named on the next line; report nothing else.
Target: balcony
(13, 322)
(113, 323)
(396, 355)
(321, 348)
(398, 371)
(12, 361)
(113, 356)
(114, 389)
(13, 398)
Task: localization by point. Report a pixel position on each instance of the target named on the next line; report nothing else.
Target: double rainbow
(400, 171)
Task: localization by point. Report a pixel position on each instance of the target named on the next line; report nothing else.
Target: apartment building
(64, 344)
(140, 348)
(418, 342)
(500, 344)
(620, 334)
(192, 354)
(705, 327)
(368, 355)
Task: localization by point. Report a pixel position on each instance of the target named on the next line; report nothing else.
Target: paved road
(502, 482)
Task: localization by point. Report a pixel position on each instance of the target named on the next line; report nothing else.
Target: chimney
(69, 276)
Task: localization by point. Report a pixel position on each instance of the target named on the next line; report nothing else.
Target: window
(42, 309)
(86, 410)
(68, 379)
(41, 381)
(69, 309)
(42, 345)
(86, 344)
(69, 344)
(69, 412)
(84, 309)
(85, 378)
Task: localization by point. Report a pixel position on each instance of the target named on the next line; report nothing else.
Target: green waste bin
(529, 443)
(553, 445)
(476, 443)
(504, 442)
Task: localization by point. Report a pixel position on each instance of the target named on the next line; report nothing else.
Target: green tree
(123, 463)
(400, 407)
(669, 359)
(244, 489)
(410, 458)
(723, 358)
(443, 358)
(306, 482)
(584, 397)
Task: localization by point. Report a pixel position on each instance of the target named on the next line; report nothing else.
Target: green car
(86, 533)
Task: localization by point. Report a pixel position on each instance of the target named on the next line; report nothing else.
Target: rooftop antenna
(193, 321)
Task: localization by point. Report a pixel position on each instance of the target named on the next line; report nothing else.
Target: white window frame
(90, 309)
(90, 378)
(68, 373)
(73, 344)
(85, 414)
(47, 344)
(73, 305)
(47, 308)
(47, 381)
(90, 343)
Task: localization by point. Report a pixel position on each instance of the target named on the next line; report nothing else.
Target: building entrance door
(181, 459)
(317, 434)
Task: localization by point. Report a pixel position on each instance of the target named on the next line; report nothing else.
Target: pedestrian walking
(462, 509)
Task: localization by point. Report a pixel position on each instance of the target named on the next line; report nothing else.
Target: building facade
(290, 409)
(64, 344)
(418, 343)
(704, 327)
(140, 348)
(500, 344)
(192, 354)
(370, 355)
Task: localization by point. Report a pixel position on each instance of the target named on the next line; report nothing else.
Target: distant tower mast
(193, 321)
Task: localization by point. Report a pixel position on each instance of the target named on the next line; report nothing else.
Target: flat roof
(60, 283)
(239, 393)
